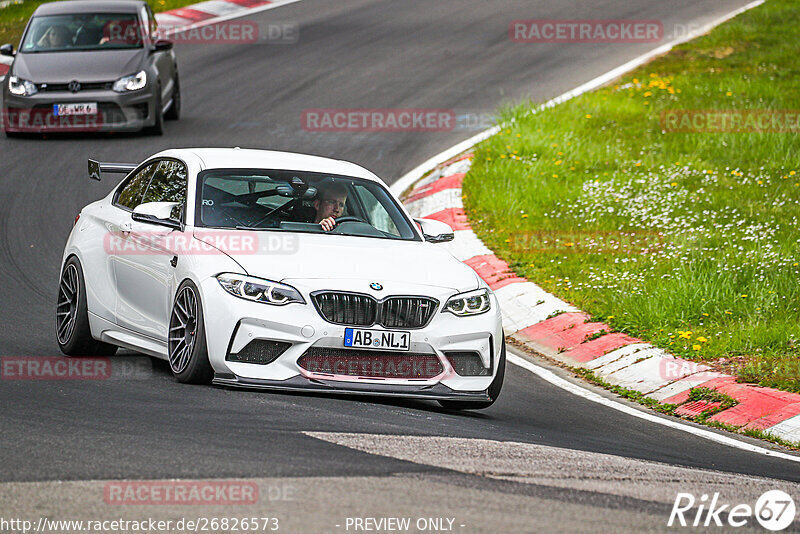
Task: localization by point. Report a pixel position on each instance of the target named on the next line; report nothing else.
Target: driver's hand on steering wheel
(328, 224)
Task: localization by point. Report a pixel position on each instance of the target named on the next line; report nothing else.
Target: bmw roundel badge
(376, 286)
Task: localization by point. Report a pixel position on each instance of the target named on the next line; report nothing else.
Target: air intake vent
(259, 351)
(371, 364)
(467, 363)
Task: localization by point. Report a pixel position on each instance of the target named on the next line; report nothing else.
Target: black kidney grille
(407, 312)
(347, 308)
(259, 351)
(353, 309)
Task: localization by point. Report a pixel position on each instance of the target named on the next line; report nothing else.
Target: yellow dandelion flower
(701, 339)
(696, 347)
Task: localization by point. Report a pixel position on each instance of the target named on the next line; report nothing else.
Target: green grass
(13, 18)
(711, 395)
(688, 240)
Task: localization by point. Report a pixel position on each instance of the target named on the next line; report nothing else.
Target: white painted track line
(566, 385)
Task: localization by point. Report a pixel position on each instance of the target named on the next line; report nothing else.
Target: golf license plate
(64, 110)
(377, 339)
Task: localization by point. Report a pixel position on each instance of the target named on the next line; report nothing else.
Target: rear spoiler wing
(96, 168)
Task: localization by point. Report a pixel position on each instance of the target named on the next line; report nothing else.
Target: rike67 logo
(774, 510)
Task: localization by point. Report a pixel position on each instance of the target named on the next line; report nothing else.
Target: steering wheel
(350, 218)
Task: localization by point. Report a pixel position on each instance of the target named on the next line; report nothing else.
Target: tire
(494, 389)
(158, 127)
(73, 334)
(174, 111)
(187, 348)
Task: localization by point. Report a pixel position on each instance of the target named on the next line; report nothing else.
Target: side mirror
(7, 50)
(435, 231)
(162, 45)
(160, 213)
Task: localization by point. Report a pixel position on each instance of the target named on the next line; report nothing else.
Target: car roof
(242, 158)
(69, 7)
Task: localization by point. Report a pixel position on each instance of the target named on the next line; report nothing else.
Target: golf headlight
(18, 86)
(259, 290)
(471, 303)
(134, 82)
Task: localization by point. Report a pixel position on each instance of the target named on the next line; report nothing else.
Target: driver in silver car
(330, 205)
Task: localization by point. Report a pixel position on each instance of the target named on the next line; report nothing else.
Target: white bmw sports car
(265, 269)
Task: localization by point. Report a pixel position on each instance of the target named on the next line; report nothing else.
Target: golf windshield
(298, 201)
(83, 31)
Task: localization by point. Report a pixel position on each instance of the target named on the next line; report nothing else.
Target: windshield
(297, 201)
(82, 31)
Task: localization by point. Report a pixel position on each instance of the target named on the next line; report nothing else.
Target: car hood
(84, 66)
(286, 257)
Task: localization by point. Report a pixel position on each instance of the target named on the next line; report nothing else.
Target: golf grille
(370, 364)
(353, 309)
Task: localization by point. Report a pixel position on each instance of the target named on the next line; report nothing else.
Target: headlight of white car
(134, 82)
(471, 303)
(259, 290)
(18, 86)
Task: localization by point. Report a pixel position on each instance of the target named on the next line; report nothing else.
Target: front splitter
(300, 383)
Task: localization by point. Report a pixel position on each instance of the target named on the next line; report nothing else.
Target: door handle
(125, 228)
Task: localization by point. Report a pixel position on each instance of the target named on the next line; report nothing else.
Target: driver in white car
(330, 205)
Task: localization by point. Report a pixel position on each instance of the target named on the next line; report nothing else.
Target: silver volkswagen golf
(86, 65)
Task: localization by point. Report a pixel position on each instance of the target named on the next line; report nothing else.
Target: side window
(153, 24)
(145, 22)
(168, 184)
(376, 212)
(132, 192)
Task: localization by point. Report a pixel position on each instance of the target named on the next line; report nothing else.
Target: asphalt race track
(451, 54)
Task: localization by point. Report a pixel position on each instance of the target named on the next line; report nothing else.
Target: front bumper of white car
(293, 347)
